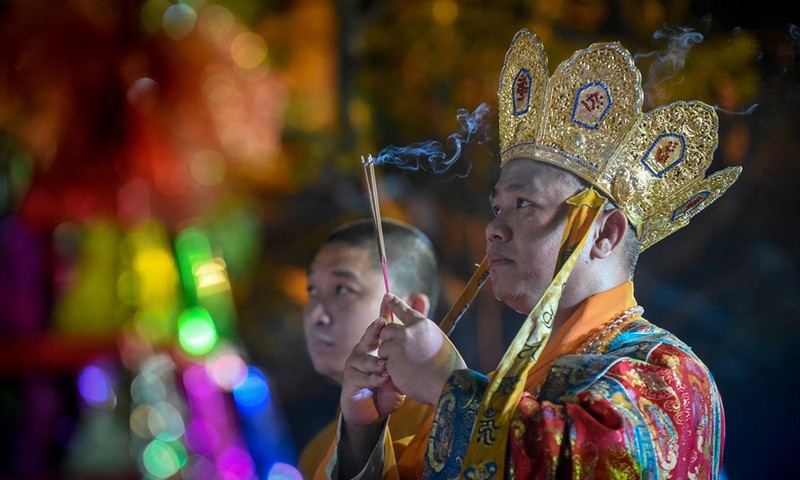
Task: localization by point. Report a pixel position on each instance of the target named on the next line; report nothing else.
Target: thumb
(404, 313)
(386, 313)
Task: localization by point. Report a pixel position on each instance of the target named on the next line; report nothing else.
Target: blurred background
(168, 168)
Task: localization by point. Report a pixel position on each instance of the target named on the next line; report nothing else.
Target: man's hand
(368, 394)
(419, 357)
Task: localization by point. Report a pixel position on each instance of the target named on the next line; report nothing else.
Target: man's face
(345, 291)
(523, 238)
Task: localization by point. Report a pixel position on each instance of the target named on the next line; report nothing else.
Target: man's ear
(419, 302)
(610, 231)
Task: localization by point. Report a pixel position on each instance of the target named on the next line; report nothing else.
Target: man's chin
(513, 298)
(508, 297)
(323, 368)
(330, 376)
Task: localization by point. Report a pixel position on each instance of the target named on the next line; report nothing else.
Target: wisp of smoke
(668, 64)
(430, 155)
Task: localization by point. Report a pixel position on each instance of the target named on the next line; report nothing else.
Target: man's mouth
(496, 260)
(321, 343)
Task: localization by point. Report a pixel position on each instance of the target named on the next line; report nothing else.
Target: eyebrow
(511, 187)
(346, 274)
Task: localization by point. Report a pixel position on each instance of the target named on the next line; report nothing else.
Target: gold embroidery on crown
(587, 118)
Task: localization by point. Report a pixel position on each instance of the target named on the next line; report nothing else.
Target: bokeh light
(165, 422)
(96, 388)
(219, 84)
(216, 22)
(196, 331)
(139, 421)
(163, 459)
(236, 464)
(142, 92)
(248, 50)
(226, 367)
(146, 389)
(284, 471)
(179, 20)
(211, 277)
(252, 395)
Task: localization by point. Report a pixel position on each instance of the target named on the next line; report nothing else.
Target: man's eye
(521, 202)
(342, 290)
(311, 290)
(495, 210)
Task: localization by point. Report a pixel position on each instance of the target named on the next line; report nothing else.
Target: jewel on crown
(587, 118)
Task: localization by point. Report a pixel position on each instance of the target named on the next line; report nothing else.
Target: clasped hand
(410, 356)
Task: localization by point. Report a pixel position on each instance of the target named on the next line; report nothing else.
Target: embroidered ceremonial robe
(638, 404)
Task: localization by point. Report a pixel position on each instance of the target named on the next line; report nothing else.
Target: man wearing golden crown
(588, 388)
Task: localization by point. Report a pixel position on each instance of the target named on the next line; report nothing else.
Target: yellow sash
(486, 453)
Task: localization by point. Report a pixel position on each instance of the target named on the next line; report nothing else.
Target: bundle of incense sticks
(372, 194)
(472, 287)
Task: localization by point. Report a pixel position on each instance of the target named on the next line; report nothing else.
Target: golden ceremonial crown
(587, 118)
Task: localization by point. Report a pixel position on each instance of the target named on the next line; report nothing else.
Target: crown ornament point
(587, 119)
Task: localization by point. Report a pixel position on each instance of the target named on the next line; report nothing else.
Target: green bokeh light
(196, 331)
(163, 459)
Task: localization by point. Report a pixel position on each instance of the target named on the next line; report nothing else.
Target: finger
(390, 332)
(365, 382)
(385, 313)
(367, 375)
(372, 336)
(401, 309)
(365, 363)
(375, 380)
(384, 352)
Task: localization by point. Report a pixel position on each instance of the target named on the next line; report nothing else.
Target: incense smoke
(667, 65)
(430, 155)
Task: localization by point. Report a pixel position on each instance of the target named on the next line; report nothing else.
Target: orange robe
(404, 424)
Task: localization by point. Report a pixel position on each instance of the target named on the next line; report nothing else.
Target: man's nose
(497, 230)
(318, 314)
